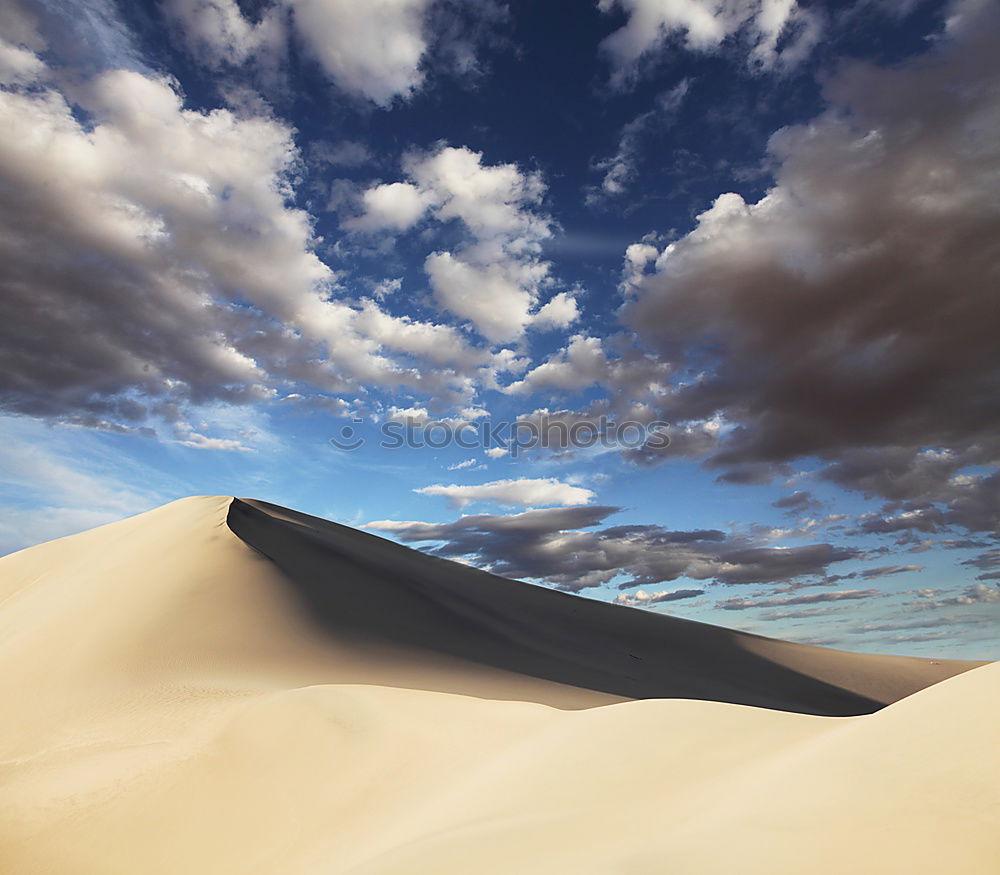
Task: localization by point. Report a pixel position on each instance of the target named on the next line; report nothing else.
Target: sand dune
(225, 686)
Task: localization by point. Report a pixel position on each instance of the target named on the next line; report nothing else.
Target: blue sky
(767, 231)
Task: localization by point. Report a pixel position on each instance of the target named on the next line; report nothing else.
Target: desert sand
(225, 686)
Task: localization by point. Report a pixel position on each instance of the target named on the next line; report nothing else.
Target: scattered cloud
(421, 416)
(988, 563)
(525, 492)
(584, 362)
(376, 51)
(971, 502)
(974, 594)
(342, 153)
(772, 32)
(886, 570)
(943, 626)
(550, 545)
(217, 33)
(797, 502)
(742, 604)
(620, 169)
(641, 598)
(188, 437)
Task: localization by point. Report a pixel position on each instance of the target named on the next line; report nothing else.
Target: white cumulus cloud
(496, 278)
(526, 492)
(180, 223)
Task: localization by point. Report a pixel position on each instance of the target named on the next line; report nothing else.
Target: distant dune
(226, 686)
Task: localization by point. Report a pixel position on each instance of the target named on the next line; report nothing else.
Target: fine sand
(224, 686)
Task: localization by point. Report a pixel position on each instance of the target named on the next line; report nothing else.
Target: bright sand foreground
(229, 687)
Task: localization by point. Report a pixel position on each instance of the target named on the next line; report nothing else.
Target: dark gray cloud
(741, 604)
(970, 502)
(798, 502)
(768, 564)
(964, 544)
(887, 570)
(801, 613)
(549, 545)
(754, 474)
(850, 314)
(926, 518)
(897, 473)
(876, 573)
(944, 623)
(988, 563)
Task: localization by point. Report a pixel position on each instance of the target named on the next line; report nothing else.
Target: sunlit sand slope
(218, 687)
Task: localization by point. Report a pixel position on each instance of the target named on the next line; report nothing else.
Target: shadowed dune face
(360, 587)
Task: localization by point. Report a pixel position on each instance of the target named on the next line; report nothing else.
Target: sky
(688, 306)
